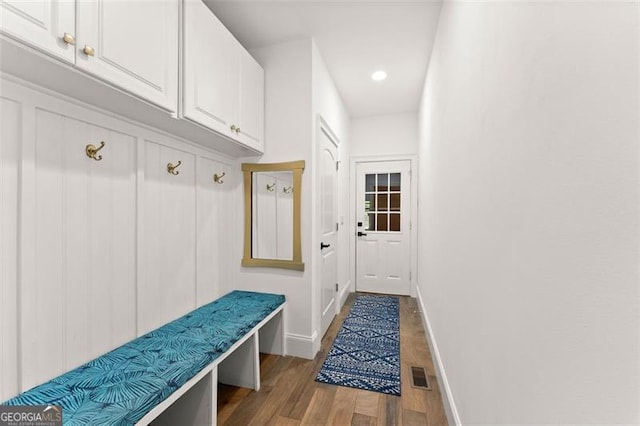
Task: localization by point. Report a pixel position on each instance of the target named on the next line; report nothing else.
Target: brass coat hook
(92, 151)
(287, 189)
(172, 168)
(218, 178)
(271, 187)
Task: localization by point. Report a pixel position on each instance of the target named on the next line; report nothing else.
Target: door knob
(323, 245)
(361, 234)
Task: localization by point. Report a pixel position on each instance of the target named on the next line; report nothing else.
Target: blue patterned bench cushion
(120, 387)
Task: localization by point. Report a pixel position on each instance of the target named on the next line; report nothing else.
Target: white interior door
(383, 210)
(328, 221)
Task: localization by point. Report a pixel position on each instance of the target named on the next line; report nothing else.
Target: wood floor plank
(275, 400)
(436, 415)
(283, 421)
(290, 395)
(362, 420)
(317, 412)
(342, 408)
(410, 418)
(389, 410)
(251, 404)
(229, 398)
(297, 403)
(367, 403)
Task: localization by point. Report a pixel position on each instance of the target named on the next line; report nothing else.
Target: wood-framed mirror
(272, 199)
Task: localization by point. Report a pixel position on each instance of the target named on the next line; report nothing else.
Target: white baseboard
(449, 404)
(301, 346)
(344, 293)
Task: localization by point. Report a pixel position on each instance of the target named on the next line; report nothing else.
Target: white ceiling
(355, 38)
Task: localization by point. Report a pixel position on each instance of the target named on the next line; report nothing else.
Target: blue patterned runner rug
(366, 352)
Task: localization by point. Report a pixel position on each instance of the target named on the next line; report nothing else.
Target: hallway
(290, 395)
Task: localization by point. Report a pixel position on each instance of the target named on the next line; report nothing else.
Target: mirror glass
(272, 215)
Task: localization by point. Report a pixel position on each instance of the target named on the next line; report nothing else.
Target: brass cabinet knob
(237, 130)
(233, 128)
(69, 39)
(88, 50)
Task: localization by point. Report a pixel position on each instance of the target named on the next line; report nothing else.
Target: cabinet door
(251, 108)
(42, 24)
(134, 46)
(78, 235)
(211, 70)
(168, 286)
(214, 225)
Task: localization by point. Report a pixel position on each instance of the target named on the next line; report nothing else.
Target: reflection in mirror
(272, 215)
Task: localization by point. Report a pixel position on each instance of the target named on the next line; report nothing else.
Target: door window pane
(370, 224)
(394, 222)
(383, 182)
(383, 203)
(395, 182)
(381, 223)
(370, 183)
(394, 202)
(369, 203)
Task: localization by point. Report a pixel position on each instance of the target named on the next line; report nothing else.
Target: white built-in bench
(170, 375)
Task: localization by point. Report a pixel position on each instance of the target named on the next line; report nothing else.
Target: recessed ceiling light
(379, 75)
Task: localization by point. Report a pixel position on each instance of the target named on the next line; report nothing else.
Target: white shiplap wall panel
(42, 302)
(100, 218)
(212, 210)
(168, 289)
(10, 125)
(76, 226)
(80, 302)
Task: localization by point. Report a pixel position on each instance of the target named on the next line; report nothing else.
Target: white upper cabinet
(251, 108)
(194, 70)
(223, 84)
(45, 24)
(210, 69)
(132, 44)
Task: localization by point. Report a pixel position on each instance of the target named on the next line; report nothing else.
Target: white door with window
(328, 222)
(383, 216)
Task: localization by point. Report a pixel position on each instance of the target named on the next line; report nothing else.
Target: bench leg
(242, 367)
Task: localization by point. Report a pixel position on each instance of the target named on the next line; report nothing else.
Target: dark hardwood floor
(289, 394)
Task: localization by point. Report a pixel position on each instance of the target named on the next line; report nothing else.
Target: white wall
(393, 134)
(288, 130)
(328, 104)
(297, 88)
(529, 210)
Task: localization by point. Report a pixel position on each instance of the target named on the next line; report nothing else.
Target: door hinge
(337, 165)
(336, 286)
(337, 226)
(409, 275)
